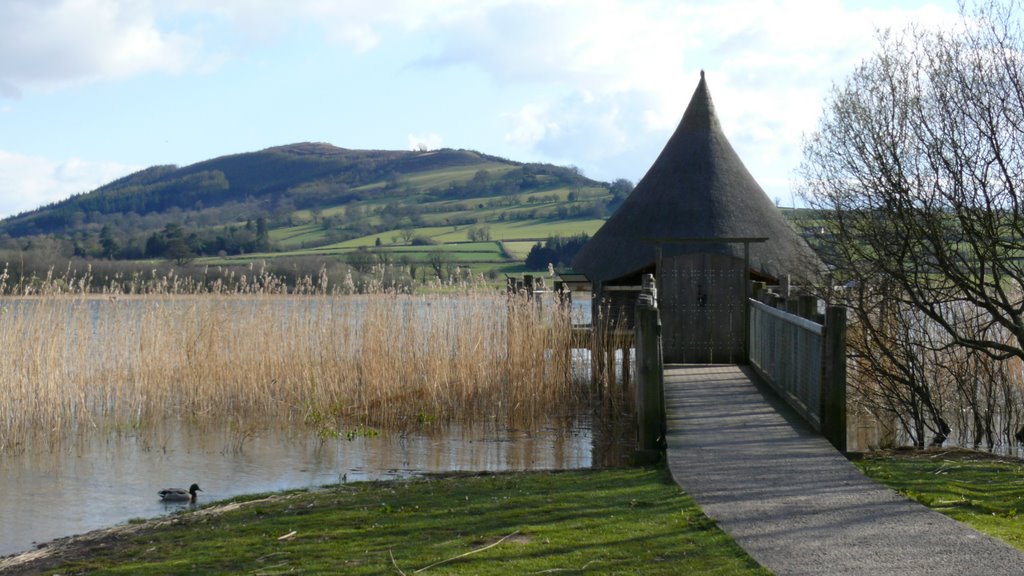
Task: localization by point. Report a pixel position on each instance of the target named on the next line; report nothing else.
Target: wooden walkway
(795, 503)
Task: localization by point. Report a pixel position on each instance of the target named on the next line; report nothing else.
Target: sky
(92, 90)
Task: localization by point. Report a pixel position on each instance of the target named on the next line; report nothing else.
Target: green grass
(294, 236)
(631, 521)
(520, 249)
(980, 490)
(440, 178)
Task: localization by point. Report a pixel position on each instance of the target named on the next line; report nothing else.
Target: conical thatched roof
(698, 188)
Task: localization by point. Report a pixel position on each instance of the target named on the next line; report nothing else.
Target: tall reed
(84, 364)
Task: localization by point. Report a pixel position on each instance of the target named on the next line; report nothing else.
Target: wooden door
(703, 305)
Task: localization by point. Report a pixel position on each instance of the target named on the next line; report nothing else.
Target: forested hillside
(321, 205)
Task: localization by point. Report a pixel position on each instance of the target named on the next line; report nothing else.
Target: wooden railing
(786, 350)
(805, 362)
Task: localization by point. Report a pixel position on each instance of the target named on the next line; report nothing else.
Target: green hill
(321, 203)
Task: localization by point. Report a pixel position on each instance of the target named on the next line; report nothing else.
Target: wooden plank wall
(702, 298)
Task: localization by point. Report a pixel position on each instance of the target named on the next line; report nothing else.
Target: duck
(180, 494)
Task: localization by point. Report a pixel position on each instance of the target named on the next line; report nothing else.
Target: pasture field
(450, 225)
(453, 243)
(519, 249)
(442, 177)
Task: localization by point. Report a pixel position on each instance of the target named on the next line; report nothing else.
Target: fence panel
(786, 351)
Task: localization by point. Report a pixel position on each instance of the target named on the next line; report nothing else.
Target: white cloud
(53, 44)
(359, 25)
(34, 181)
(607, 79)
(597, 125)
(531, 124)
(429, 141)
(9, 90)
(603, 44)
(613, 76)
(629, 69)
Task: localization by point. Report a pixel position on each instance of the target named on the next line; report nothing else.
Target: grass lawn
(628, 521)
(978, 489)
(520, 249)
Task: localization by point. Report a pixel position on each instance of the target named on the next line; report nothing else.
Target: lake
(109, 481)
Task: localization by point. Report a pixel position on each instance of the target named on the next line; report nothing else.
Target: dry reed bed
(75, 365)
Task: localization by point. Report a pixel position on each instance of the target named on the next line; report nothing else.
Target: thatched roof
(698, 188)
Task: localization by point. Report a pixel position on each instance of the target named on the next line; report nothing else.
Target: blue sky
(91, 90)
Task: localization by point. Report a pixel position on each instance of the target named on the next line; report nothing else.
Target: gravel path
(792, 501)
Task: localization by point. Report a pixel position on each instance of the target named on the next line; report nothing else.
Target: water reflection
(867, 432)
(105, 482)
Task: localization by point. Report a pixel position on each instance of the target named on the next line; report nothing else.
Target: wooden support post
(792, 306)
(595, 318)
(649, 390)
(776, 301)
(833, 381)
(758, 290)
(807, 306)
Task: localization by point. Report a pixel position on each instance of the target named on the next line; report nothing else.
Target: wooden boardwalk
(795, 503)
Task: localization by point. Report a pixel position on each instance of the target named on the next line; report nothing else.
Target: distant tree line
(557, 251)
(173, 242)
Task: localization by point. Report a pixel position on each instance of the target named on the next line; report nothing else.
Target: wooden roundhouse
(704, 227)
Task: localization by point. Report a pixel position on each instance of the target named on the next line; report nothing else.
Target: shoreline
(627, 520)
(474, 510)
(52, 553)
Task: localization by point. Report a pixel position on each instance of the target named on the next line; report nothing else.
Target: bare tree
(895, 356)
(918, 169)
(437, 261)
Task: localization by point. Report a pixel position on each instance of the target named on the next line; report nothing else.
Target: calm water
(109, 482)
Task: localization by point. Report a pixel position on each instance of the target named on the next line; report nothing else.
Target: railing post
(649, 391)
(833, 380)
(758, 290)
(808, 306)
(792, 305)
